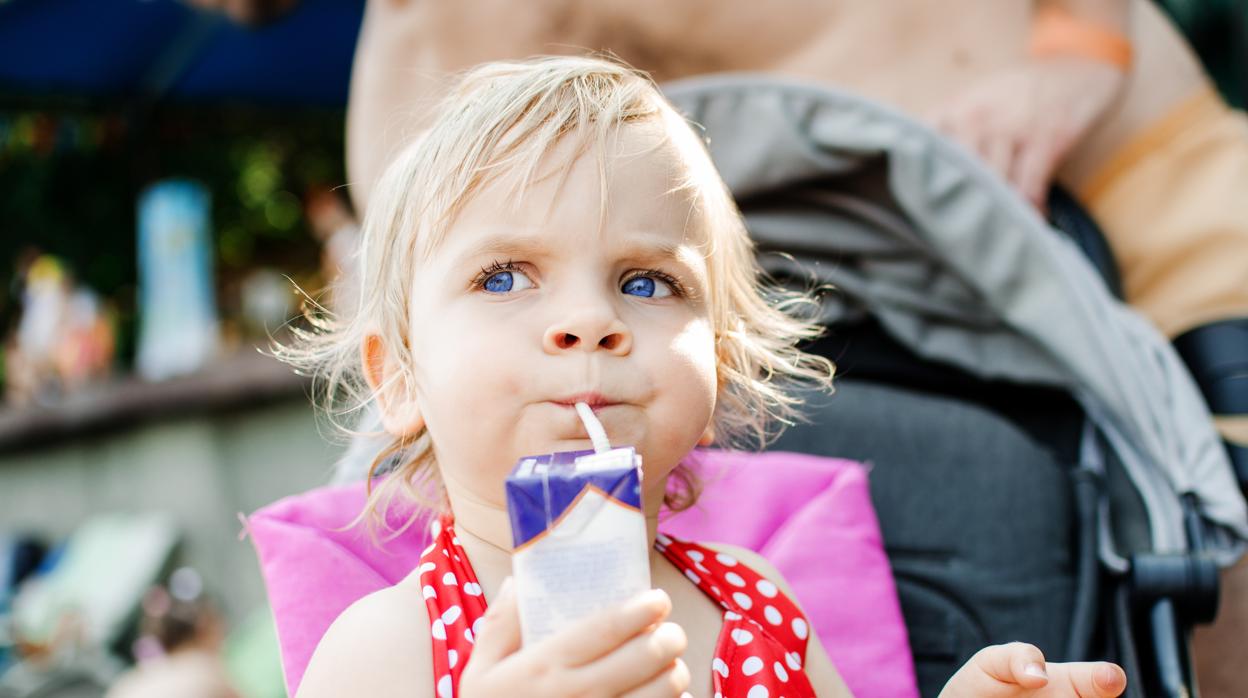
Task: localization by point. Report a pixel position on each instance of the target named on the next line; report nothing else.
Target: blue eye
(647, 287)
(499, 283)
(505, 281)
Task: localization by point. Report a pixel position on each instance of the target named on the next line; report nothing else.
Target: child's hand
(1017, 670)
(622, 651)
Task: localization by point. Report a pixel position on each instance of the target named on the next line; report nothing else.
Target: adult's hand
(1023, 121)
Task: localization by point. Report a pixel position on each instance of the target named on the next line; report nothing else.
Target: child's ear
(400, 414)
(708, 436)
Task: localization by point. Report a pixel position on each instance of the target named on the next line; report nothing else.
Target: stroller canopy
(957, 267)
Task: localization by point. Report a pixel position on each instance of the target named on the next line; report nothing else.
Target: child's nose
(588, 332)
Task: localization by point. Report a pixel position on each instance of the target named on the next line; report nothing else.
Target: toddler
(559, 235)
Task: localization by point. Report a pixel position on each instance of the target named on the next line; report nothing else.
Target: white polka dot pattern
(780, 672)
(751, 666)
(757, 640)
(793, 660)
(754, 636)
(741, 636)
(799, 628)
(453, 597)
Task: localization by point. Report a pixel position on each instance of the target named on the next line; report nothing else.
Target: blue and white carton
(579, 535)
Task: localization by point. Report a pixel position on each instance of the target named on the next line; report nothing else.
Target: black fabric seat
(972, 485)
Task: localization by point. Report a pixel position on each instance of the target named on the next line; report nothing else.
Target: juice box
(579, 535)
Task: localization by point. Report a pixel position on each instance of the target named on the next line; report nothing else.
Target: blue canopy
(165, 49)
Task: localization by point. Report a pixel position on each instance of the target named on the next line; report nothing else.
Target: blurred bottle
(177, 304)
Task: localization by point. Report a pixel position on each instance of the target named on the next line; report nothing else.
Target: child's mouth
(596, 401)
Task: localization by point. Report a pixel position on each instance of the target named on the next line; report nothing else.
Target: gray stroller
(1044, 467)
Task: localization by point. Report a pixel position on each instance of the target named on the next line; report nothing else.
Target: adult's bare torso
(911, 54)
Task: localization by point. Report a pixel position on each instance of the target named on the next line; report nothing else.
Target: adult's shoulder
(380, 646)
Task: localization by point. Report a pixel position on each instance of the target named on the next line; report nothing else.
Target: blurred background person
(64, 341)
(1103, 97)
(179, 649)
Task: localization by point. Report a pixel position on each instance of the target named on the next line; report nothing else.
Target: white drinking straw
(593, 427)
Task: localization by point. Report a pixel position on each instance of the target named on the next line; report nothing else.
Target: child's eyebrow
(643, 249)
(505, 243)
(657, 250)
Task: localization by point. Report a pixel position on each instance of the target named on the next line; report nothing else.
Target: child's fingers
(672, 681)
(1015, 663)
(499, 635)
(1090, 679)
(593, 637)
(635, 662)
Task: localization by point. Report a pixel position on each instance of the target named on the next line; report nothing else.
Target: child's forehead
(637, 183)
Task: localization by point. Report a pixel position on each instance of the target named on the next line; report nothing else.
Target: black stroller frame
(1158, 599)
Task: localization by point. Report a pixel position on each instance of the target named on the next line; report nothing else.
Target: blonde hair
(504, 118)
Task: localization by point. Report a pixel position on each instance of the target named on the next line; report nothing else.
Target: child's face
(520, 313)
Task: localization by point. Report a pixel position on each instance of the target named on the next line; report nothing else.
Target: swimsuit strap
(455, 603)
(759, 653)
(762, 646)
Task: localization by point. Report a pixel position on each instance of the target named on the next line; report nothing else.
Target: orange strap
(1056, 32)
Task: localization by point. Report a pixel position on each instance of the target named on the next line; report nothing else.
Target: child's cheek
(512, 383)
(696, 347)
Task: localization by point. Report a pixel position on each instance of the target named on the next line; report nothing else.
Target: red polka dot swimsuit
(759, 653)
